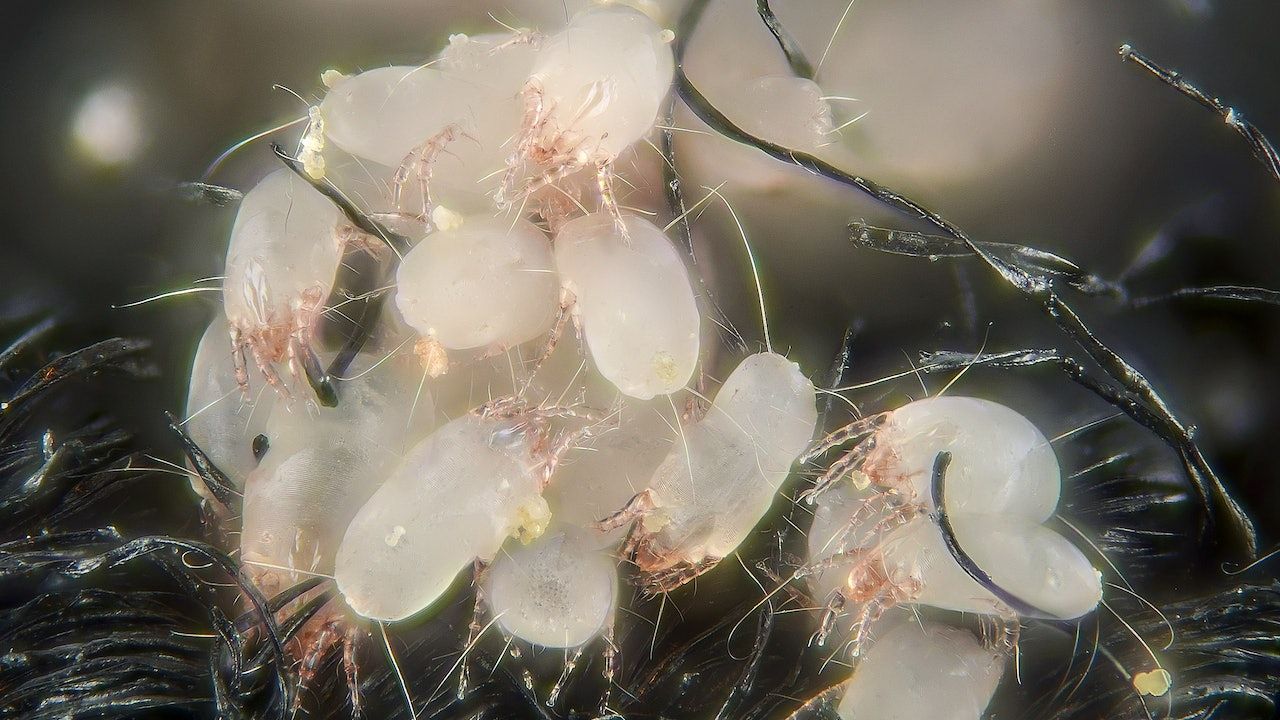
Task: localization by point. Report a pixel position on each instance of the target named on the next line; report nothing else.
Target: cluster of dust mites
(525, 406)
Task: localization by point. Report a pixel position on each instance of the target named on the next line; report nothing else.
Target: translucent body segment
(323, 464)
(923, 671)
(590, 485)
(1000, 462)
(455, 497)
(1025, 558)
(635, 302)
(558, 591)
(783, 109)
(383, 114)
(283, 245)
(220, 420)
(602, 80)
(789, 111)
(836, 530)
(487, 283)
(722, 473)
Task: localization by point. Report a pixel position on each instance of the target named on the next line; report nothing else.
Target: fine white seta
(722, 473)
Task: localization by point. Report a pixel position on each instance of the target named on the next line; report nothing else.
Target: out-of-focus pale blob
(601, 81)
(923, 671)
(322, 465)
(455, 498)
(723, 472)
(1000, 462)
(590, 485)
(219, 419)
(1034, 563)
(783, 109)
(107, 127)
(489, 283)
(558, 591)
(634, 300)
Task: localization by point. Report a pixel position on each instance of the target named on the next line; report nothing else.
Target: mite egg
(923, 670)
(488, 283)
(557, 591)
(1035, 564)
(455, 497)
(634, 302)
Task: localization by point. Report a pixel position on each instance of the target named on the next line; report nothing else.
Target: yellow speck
(1153, 682)
(664, 366)
(331, 77)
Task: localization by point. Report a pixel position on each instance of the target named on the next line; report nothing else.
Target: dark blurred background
(108, 106)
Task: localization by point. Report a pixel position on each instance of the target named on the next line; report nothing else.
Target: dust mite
(284, 250)
(883, 538)
(630, 297)
(594, 89)
(722, 475)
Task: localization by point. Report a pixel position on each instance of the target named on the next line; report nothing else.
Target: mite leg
(637, 507)
(420, 159)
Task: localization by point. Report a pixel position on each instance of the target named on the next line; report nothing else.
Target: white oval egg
(219, 419)
(603, 79)
(323, 464)
(489, 282)
(924, 670)
(454, 498)
(1032, 562)
(723, 471)
(635, 302)
(558, 591)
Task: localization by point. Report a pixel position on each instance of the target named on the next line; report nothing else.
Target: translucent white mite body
(285, 247)
(722, 473)
(633, 301)
(594, 89)
(923, 671)
(1037, 565)
(320, 469)
(447, 122)
(1002, 483)
(1000, 461)
(787, 110)
(220, 421)
(487, 283)
(453, 500)
(558, 591)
